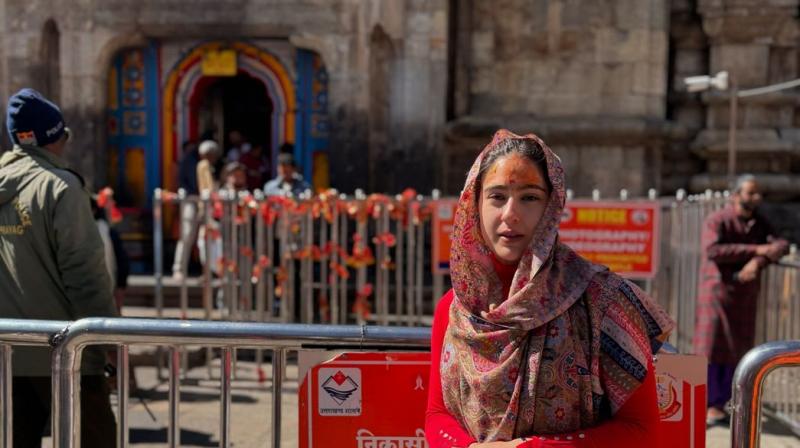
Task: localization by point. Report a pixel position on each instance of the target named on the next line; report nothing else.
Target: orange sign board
(347, 401)
(444, 212)
(621, 235)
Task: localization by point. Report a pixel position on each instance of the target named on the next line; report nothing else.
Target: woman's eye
(530, 197)
(496, 197)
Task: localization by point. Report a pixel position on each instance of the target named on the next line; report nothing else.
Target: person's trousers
(190, 221)
(720, 381)
(32, 400)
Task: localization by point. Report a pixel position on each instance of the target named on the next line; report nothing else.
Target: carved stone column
(756, 42)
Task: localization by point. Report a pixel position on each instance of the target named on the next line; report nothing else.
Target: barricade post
(18, 332)
(158, 250)
(748, 383)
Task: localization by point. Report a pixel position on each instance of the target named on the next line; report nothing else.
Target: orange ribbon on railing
(361, 306)
(105, 199)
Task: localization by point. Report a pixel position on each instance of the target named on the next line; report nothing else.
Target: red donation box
(370, 400)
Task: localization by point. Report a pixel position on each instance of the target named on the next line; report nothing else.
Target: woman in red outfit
(535, 346)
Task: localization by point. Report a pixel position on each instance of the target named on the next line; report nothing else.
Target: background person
(738, 243)
(52, 266)
(190, 221)
(209, 155)
(257, 166)
(234, 176)
(288, 180)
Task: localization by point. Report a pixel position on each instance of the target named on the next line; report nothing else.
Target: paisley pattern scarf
(532, 364)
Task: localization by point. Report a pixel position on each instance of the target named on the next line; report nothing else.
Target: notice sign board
(443, 216)
(621, 235)
(365, 400)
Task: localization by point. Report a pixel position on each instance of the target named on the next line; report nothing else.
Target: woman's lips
(509, 237)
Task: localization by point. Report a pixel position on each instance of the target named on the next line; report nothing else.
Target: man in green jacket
(51, 265)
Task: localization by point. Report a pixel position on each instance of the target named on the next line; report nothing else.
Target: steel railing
(268, 242)
(70, 339)
(279, 338)
(18, 332)
(748, 388)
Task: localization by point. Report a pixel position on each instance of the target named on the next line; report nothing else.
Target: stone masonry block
(631, 14)
(749, 63)
(617, 79)
(482, 48)
(648, 79)
(541, 75)
(613, 45)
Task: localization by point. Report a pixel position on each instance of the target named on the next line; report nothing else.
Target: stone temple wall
(588, 76)
(90, 32)
(417, 87)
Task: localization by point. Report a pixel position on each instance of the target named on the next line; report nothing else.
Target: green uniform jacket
(52, 262)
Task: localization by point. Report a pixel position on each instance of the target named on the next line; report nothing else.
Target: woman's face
(512, 201)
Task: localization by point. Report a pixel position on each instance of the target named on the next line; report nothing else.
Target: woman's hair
(524, 147)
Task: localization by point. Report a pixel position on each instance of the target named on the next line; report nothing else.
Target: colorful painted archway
(184, 78)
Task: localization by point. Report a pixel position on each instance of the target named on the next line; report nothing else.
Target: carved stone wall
(756, 41)
(418, 87)
(92, 31)
(588, 76)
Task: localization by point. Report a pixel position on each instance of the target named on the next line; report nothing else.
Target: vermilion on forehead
(514, 171)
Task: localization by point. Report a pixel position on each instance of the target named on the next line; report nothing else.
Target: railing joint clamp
(57, 338)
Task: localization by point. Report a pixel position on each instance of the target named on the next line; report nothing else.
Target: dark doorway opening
(238, 103)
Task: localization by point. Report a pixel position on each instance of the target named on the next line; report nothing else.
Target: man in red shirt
(738, 243)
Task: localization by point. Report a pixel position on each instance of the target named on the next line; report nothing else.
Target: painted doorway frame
(183, 78)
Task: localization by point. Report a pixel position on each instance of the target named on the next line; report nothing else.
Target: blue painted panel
(312, 103)
(134, 124)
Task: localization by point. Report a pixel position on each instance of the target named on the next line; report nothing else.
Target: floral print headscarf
(532, 363)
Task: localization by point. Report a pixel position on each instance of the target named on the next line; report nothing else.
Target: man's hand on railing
(774, 251)
(749, 272)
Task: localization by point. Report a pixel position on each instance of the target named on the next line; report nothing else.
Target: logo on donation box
(340, 391)
(670, 397)
(364, 400)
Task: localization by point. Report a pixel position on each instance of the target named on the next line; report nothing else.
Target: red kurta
(726, 308)
(635, 424)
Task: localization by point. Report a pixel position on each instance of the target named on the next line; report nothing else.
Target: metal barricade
(16, 332)
(748, 388)
(327, 258)
(335, 257)
(675, 287)
(778, 319)
(279, 338)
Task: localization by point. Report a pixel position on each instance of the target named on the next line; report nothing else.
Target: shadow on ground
(190, 396)
(188, 437)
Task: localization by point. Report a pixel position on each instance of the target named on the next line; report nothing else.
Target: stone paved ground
(251, 408)
(251, 413)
